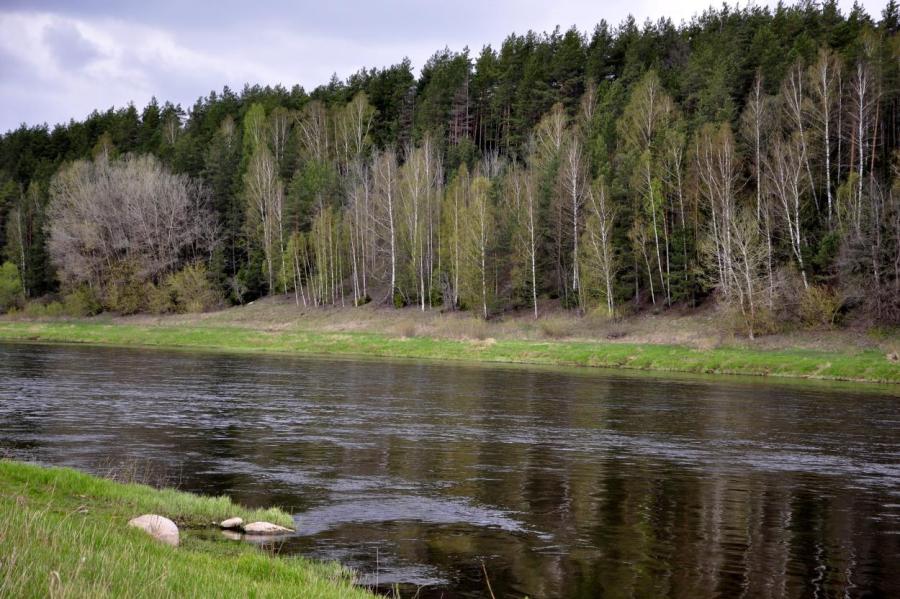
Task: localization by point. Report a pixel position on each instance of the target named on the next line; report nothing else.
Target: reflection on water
(563, 484)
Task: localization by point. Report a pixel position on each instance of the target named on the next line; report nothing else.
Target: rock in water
(232, 523)
(265, 528)
(159, 527)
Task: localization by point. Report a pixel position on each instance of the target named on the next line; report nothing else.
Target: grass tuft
(64, 533)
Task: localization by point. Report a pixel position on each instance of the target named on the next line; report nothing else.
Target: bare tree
(572, 180)
(717, 174)
(787, 185)
(279, 130)
(104, 212)
(386, 214)
(477, 240)
(794, 98)
(824, 76)
(744, 270)
(265, 209)
(648, 113)
(521, 201)
(352, 126)
(600, 253)
(549, 135)
(313, 130)
(862, 101)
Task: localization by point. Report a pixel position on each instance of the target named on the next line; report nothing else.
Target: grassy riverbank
(870, 365)
(64, 534)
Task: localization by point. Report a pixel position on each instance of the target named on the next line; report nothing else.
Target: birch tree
(265, 209)
(599, 255)
(648, 113)
(824, 76)
(787, 183)
(717, 174)
(386, 213)
(478, 237)
(794, 100)
(521, 203)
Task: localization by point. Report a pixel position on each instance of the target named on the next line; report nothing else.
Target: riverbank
(64, 533)
(463, 339)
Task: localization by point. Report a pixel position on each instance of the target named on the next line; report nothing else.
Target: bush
(399, 300)
(160, 299)
(736, 322)
(82, 301)
(44, 309)
(11, 294)
(124, 291)
(192, 291)
(819, 307)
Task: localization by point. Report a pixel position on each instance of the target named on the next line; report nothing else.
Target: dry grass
(699, 329)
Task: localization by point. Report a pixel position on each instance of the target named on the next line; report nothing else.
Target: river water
(553, 483)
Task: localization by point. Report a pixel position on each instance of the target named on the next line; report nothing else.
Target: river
(553, 483)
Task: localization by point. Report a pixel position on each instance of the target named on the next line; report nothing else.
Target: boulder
(232, 524)
(159, 527)
(265, 528)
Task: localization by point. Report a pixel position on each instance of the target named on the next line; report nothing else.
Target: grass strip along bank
(868, 366)
(64, 533)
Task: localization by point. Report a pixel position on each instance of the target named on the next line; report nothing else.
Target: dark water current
(557, 483)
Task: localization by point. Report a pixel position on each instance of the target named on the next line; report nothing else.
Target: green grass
(868, 366)
(64, 533)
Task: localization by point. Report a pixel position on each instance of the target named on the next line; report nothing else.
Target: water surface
(555, 483)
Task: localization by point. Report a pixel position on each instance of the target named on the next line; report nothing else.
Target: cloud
(71, 50)
(61, 60)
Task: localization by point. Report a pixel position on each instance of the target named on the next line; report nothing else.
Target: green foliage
(82, 301)
(819, 307)
(657, 85)
(40, 308)
(11, 294)
(188, 290)
(124, 290)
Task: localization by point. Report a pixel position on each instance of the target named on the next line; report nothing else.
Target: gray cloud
(70, 49)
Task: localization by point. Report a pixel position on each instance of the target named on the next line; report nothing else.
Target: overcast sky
(60, 61)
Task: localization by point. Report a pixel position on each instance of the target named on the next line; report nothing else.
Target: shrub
(399, 300)
(124, 291)
(160, 299)
(763, 322)
(191, 290)
(82, 301)
(11, 294)
(819, 307)
(44, 309)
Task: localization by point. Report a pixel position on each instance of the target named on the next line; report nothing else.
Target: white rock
(265, 528)
(159, 527)
(231, 523)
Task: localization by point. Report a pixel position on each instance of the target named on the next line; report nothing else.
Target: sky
(62, 59)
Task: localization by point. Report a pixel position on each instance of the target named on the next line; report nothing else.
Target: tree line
(749, 155)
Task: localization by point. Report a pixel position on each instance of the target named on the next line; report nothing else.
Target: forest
(748, 157)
